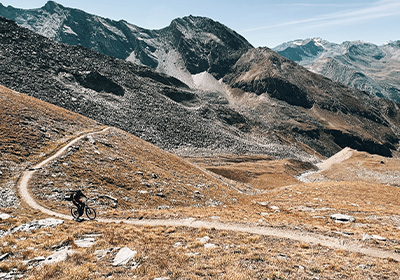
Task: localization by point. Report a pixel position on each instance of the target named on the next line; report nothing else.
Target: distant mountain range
(365, 66)
(191, 48)
(235, 98)
(185, 49)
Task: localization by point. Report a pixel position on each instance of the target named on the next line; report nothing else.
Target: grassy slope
(120, 165)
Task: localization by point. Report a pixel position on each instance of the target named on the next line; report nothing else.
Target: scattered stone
(163, 207)
(264, 214)
(13, 274)
(210, 246)
(344, 232)
(366, 237)
(4, 256)
(192, 254)
(204, 239)
(124, 256)
(102, 253)
(109, 197)
(340, 218)
(59, 256)
(178, 244)
(37, 224)
(283, 256)
(276, 208)
(34, 260)
(4, 216)
(162, 278)
(85, 243)
(262, 203)
(215, 217)
(8, 197)
(377, 237)
(365, 266)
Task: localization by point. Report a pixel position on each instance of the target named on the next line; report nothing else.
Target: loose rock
(340, 218)
(124, 256)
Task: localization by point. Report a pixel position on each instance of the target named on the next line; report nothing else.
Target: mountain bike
(89, 211)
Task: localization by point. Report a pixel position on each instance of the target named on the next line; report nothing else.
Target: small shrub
(5, 267)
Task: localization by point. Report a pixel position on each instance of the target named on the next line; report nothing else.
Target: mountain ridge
(159, 49)
(263, 103)
(358, 64)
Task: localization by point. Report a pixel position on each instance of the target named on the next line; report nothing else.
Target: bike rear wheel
(74, 212)
(90, 213)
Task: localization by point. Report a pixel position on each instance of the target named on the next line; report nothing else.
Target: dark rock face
(277, 88)
(215, 50)
(199, 44)
(300, 52)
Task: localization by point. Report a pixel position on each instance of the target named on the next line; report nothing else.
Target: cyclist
(76, 200)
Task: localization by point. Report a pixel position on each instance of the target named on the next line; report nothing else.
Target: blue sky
(261, 22)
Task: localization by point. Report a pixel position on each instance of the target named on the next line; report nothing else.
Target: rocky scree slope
(188, 46)
(272, 105)
(365, 66)
(157, 108)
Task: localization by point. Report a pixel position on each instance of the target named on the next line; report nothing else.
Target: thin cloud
(380, 9)
(347, 5)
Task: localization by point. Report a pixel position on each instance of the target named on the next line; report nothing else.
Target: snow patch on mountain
(68, 30)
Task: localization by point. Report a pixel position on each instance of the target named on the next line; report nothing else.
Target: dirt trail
(310, 238)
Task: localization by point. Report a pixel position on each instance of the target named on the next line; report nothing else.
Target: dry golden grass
(139, 175)
(177, 253)
(261, 172)
(118, 164)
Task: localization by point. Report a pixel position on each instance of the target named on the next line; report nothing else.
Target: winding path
(311, 238)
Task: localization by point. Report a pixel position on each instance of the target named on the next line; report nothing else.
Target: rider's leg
(80, 209)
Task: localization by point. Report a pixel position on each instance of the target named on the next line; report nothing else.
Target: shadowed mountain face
(262, 104)
(188, 46)
(365, 66)
(322, 110)
(157, 108)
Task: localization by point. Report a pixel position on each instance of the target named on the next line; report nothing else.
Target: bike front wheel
(74, 212)
(90, 213)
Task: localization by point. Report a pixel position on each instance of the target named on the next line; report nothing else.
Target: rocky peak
(52, 6)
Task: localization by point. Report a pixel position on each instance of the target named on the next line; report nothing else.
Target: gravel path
(310, 238)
